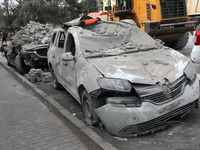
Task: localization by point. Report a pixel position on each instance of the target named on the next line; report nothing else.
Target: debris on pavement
(37, 75)
(121, 139)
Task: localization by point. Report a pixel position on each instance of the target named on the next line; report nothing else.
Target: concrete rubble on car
(33, 32)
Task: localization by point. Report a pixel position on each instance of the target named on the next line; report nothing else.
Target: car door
(56, 54)
(68, 67)
(52, 49)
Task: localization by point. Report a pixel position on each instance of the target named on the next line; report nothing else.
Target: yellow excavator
(166, 20)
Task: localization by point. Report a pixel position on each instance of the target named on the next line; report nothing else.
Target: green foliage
(89, 6)
(56, 11)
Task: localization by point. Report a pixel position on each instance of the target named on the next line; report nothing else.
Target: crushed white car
(121, 76)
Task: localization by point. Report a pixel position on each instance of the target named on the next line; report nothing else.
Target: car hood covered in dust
(145, 67)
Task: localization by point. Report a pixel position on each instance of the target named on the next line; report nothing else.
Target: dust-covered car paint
(122, 77)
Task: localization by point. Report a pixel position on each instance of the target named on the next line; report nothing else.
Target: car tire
(20, 66)
(8, 60)
(55, 82)
(88, 106)
(8, 63)
(180, 43)
(6, 54)
(198, 28)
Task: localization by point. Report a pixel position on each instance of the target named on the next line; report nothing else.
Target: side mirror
(67, 56)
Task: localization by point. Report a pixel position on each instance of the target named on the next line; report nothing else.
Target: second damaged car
(28, 56)
(121, 76)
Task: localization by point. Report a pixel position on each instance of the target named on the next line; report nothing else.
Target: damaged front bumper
(131, 121)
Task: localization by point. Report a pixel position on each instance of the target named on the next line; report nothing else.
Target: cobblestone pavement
(26, 124)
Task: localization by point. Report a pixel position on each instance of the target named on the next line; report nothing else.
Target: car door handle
(53, 57)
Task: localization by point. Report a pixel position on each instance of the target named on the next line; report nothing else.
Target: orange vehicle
(162, 19)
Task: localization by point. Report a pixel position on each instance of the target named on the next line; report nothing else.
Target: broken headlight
(114, 84)
(190, 72)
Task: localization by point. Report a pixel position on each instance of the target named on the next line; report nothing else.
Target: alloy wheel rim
(88, 109)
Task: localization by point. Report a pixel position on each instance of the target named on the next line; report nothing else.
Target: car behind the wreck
(28, 56)
(121, 76)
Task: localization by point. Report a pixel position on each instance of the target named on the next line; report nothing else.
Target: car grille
(176, 90)
(160, 122)
(173, 8)
(42, 52)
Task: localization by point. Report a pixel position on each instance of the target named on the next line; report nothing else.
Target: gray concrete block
(46, 78)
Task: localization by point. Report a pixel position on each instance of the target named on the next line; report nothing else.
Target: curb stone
(87, 135)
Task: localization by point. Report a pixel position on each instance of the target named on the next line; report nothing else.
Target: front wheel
(180, 43)
(198, 28)
(20, 66)
(88, 105)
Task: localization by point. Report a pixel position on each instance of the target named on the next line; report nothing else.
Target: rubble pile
(37, 75)
(33, 32)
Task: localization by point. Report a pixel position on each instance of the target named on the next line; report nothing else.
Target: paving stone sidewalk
(26, 124)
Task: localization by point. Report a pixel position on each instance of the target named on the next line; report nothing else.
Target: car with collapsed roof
(121, 76)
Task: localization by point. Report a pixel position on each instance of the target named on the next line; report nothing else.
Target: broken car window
(53, 37)
(70, 47)
(61, 40)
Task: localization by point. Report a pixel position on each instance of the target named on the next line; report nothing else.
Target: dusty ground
(182, 136)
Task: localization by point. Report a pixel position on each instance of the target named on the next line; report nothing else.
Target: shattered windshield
(109, 39)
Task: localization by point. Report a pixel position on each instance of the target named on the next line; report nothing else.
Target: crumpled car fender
(86, 75)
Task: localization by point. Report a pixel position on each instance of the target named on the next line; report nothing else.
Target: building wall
(105, 3)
